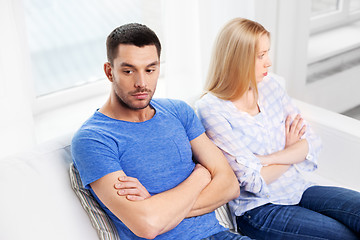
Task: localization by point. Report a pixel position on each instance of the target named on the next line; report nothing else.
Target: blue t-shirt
(157, 152)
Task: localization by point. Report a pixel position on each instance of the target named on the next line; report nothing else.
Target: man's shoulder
(91, 124)
(173, 106)
(180, 110)
(98, 127)
(168, 102)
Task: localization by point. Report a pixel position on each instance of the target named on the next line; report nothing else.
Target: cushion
(223, 215)
(99, 219)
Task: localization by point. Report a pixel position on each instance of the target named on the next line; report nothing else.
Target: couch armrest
(340, 157)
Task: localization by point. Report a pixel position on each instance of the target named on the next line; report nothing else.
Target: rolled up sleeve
(243, 162)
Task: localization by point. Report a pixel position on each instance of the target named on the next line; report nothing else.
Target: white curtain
(190, 31)
(16, 89)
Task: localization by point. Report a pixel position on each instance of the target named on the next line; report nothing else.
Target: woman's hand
(131, 188)
(294, 131)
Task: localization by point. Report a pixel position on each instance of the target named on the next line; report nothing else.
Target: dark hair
(132, 34)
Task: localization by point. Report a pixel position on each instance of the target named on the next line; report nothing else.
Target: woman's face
(262, 61)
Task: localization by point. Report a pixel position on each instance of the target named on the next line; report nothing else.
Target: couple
(152, 168)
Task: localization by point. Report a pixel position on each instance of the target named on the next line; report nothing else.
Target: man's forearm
(180, 208)
(157, 214)
(219, 191)
(223, 186)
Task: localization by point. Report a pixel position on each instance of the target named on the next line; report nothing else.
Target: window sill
(333, 42)
(69, 96)
(65, 111)
(333, 51)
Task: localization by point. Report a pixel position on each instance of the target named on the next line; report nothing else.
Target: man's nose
(140, 81)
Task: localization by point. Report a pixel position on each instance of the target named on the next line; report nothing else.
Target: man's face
(135, 72)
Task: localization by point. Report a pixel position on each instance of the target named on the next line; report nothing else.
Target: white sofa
(37, 201)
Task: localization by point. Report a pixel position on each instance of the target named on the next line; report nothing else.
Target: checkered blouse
(241, 137)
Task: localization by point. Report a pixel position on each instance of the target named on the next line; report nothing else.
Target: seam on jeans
(341, 211)
(285, 234)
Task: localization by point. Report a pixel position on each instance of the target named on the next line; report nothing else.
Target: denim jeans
(226, 235)
(323, 213)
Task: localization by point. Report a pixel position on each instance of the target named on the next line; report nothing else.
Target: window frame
(90, 88)
(337, 18)
(83, 98)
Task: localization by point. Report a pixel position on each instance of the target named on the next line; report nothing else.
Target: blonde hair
(232, 67)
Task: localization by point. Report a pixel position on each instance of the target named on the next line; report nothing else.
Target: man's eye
(150, 70)
(128, 71)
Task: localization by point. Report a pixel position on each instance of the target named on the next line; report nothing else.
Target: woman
(249, 116)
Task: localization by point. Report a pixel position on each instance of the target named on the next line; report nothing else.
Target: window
(322, 7)
(327, 14)
(67, 38)
(354, 5)
(334, 45)
(333, 63)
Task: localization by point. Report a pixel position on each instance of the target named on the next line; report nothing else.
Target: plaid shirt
(241, 137)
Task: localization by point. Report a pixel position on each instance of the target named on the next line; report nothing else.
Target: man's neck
(119, 112)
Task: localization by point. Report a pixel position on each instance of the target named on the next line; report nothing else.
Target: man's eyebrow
(153, 64)
(125, 64)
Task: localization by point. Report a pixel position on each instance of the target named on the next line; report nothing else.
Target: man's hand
(223, 186)
(205, 172)
(131, 188)
(294, 131)
(135, 191)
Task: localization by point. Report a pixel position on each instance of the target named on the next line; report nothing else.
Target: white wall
(16, 121)
(292, 37)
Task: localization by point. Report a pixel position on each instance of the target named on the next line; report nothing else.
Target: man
(135, 154)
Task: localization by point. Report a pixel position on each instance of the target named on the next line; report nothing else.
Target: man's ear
(108, 71)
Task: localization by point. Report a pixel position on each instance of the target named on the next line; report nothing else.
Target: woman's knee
(292, 222)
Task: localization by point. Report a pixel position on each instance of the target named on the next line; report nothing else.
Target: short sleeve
(189, 119)
(91, 149)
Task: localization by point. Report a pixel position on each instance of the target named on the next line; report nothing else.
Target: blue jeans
(226, 235)
(323, 213)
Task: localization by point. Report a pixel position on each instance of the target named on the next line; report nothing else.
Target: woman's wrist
(265, 160)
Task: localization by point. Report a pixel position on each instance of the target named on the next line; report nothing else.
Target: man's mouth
(141, 95)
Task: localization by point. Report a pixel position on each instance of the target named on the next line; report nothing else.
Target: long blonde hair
(232, 67)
